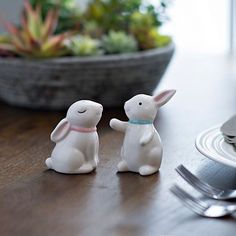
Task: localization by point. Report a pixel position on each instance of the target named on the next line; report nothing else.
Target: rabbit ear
(61, 130)
(163, 97)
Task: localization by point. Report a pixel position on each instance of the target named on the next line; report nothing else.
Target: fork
(203, 187)
(201, 207)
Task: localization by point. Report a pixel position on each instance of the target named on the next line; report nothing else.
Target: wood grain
(35, 201)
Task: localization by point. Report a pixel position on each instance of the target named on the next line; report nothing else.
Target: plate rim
(222, 159)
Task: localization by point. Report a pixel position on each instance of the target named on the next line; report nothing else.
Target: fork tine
(193, 180)
(186, 174)
(190, 198)
(193, 206)
(186, 203)
(201, 207)
(189, 205)
(197, 183)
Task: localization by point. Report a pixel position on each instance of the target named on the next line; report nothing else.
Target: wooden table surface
(36, 201)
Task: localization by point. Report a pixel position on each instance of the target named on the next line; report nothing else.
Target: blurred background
(196, 25)
(202, 32)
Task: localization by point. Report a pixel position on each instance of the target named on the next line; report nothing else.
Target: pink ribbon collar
(83, 130)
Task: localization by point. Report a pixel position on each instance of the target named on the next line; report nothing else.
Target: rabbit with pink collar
(142, 149)
(76, 138)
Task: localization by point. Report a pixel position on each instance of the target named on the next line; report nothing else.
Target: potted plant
(108, 53)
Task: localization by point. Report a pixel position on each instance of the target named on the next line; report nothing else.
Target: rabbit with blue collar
(142, 149)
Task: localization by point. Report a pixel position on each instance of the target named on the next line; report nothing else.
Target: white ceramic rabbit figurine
(142, 149)
(76, 139)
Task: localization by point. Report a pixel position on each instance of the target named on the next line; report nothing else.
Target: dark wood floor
(35, 201)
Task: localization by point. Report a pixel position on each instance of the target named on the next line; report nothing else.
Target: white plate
(211, 144)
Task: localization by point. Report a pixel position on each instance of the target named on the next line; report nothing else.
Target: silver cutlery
(201, 207)
(228, 129)
(230, 139)
(203, 187)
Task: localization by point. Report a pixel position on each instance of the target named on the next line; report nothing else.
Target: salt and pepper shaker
(76, 139)
(142, 149)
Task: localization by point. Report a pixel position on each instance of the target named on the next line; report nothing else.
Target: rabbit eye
(140, 104)
(82, 111)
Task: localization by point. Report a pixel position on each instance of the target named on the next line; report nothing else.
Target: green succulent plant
(69, 16)
(5, 47)
(35, 37)
(4, 38)
(115, 26)
(116, 14)
(119, 42)
(158, 12)
(84, 46)
(143, 28)
(92, 29)
(112, 14)
(141, 20)
(163, 40)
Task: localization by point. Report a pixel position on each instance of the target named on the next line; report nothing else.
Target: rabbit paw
(147, 170)
(122, 166)
(85, 168)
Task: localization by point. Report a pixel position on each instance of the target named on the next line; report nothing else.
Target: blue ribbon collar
(140, 122)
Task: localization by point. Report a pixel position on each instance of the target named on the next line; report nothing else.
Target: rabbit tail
(48, 163)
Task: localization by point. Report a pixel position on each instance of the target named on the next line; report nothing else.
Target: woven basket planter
(56, 83)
